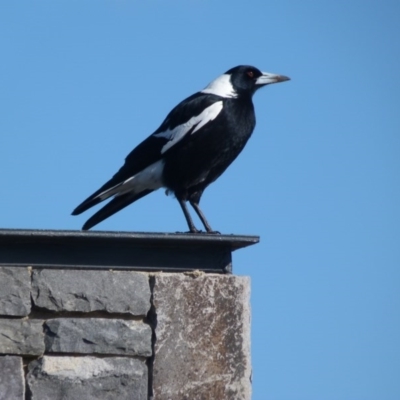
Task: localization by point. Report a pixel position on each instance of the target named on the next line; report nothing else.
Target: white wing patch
(176, 134)
(222, 87)
(149, 178)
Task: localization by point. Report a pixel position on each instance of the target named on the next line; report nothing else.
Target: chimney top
(121, 250)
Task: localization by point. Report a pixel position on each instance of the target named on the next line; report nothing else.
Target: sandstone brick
(98, 336)
(12, 381)
(88, 378)
(24, 337)
(84, 291)
(15, 291)
(202, 349)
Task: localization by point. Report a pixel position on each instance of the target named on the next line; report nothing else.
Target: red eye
(250, 74)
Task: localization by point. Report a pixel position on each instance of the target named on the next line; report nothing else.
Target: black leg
(189, 220)
(202, 217)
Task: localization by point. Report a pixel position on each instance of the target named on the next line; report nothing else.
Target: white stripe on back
(176, 134)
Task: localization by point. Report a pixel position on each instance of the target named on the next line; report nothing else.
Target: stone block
(202, 348)
(12, 381)
(88, 378)
(98, 336)
(24, 337)
(15, 291)
(85, 291)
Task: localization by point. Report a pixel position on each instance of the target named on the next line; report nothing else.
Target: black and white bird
(194, 145)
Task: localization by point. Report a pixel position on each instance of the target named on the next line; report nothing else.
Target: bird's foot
(206, 232)
(192, 230)
(196, 231)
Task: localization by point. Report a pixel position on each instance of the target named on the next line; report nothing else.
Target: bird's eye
(250, 74)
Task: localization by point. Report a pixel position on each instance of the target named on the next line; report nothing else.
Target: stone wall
(103, 334)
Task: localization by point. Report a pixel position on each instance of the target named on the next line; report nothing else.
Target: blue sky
(82, 83)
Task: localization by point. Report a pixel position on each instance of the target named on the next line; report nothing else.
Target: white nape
(222, 86)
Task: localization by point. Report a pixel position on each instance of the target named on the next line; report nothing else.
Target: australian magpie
(194, 145)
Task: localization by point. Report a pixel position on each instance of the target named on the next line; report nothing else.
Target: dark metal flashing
(120, 250)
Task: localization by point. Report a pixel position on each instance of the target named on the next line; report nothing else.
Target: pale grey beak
(266, 78)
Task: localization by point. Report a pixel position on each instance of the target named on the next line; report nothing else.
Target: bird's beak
(266, 78)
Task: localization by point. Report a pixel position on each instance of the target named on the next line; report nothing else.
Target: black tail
(116, 204)
(90, 202)
(93, 199)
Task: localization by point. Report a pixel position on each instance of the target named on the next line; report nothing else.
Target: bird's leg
(189, 220)
(196, 208)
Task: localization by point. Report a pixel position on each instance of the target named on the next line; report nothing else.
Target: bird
(192, 147)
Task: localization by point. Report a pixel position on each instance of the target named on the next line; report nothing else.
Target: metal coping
(169, 252)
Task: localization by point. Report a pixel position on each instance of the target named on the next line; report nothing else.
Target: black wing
(151, 149)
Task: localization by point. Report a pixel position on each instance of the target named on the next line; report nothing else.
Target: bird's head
(247, 79)
(242, 80)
